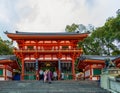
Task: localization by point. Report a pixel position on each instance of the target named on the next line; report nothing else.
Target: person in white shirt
(55, 75)
(62, 76)
(41, 73)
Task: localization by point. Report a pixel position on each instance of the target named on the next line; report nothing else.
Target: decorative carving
(59, 55)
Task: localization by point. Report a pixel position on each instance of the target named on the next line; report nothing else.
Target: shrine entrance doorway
(30, 71)
(66, 69)
(52, 66)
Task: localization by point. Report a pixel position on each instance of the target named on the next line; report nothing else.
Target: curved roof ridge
(9, 57)
(98, 57)
(45, 33)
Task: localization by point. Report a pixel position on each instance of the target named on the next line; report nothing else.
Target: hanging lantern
(48, 64)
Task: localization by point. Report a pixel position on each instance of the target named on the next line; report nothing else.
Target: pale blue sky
(53, 15)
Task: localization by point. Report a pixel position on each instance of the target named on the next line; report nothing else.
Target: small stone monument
(109, 64)
(109, 71)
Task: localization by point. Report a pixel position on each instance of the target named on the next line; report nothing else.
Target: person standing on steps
(62, 76)
(55, 75)
(41, 74)
(49, 74)
(45, 75)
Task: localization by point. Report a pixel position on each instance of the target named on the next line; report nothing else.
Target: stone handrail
(114, 85)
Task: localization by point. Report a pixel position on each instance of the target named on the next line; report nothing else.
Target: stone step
(70, 86)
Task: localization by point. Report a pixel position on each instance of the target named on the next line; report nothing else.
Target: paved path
(69, 86)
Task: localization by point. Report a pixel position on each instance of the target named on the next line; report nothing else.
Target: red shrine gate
(47, 50)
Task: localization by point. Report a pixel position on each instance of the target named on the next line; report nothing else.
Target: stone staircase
(67, 86)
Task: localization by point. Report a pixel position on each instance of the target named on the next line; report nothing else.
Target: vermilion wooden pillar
(73, 68)
(5, 72)
(56, 69)
(84, 73)
(59, 69)
(37, 73)
(90, 67)
(22, 74)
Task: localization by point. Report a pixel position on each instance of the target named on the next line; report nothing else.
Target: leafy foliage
(102, 39)
(6, 47)
(71, 28)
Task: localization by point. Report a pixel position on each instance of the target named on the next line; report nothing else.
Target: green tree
(6, 47)
(79, 28)
(102, 40)
(71, 28)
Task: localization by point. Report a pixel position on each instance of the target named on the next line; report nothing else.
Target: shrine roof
(9, 60)
(84, 60)
(42, 33)
(97, 57)
(38, 35)
(7, 57)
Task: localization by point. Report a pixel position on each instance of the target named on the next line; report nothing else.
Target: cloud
(48, 15)
(90, 3)
(54, 15)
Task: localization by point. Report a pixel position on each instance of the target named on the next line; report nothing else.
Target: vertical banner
(59, 65)
(36, 66)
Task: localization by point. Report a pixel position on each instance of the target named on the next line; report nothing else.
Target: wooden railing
(48, 51)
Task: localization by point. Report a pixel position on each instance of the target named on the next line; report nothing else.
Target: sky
(53, 15)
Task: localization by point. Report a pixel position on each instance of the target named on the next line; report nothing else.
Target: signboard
(36, 66)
